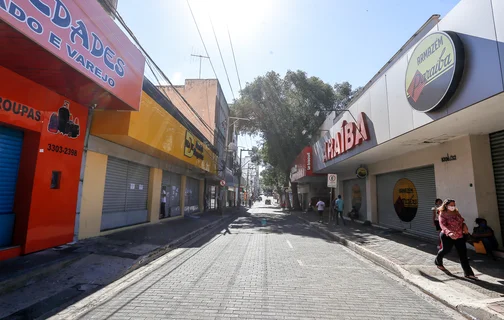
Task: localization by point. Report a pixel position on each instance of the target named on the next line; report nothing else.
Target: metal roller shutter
(497, 149)
(11, 143)
(126, 194)
(172, 182)
(424, 182)
(191, 196)
(116, 179)
(354, 194)
(137, 192)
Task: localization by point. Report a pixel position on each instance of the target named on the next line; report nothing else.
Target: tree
(344, 94)
(279, 110)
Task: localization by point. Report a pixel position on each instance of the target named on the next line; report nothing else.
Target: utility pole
(200, 57)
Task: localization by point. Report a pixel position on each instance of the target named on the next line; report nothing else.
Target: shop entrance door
(354, 195)
(405, 199)
(11, 143)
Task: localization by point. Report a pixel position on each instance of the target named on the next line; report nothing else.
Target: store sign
(405, 200)
(193, 147)
(361, 172)
(434, 71)
(449, 157)
(351, 135)
(19, 109)
(81, 34)
(308, 161)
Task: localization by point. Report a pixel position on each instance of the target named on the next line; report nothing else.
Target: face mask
(451, 208)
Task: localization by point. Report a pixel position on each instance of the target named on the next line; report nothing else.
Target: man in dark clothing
(486, 235)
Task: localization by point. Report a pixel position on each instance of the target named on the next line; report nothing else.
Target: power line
(222, 59)
(234, 58)
(201, 37)
(150, 60)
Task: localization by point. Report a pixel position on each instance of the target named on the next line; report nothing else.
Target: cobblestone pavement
(280, 270)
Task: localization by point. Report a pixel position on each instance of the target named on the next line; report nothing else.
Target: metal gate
(405, 199)
(497, 149)
(126, 193)
(354, 195)
(171, 185)
(11, 143)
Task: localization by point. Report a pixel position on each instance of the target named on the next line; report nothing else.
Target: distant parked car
(268, 201)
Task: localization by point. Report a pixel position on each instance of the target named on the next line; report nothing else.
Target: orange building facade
(50, 78)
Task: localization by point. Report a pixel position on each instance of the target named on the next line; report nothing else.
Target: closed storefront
(11, 142)
(405, 199)
(497, 147)
(126, 194)
(354, 195)
(170, 195)
(191, 195)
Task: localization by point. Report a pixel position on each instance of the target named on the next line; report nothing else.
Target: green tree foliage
(279, 110)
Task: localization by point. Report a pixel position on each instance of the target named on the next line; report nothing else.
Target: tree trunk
(295, 198)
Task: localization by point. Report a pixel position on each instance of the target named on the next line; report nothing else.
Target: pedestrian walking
(320, 207)
(435, 219)
(339, 206)
(452, 234)
(162, 210)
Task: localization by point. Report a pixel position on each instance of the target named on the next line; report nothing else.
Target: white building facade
(429, 125)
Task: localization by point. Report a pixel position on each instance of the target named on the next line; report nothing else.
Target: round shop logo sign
(405, 200)
(434, 71)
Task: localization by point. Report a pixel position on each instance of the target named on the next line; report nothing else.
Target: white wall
(468, 180)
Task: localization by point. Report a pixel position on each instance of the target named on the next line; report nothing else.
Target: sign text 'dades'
(434, 71)
(82, 35)
(405, 200)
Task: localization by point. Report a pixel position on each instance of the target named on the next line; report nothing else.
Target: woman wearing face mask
(452, 233)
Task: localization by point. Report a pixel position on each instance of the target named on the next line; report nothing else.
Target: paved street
(282, 270)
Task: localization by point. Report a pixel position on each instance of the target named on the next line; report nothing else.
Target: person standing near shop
(452, 234)
(320, 207)
(339, 205)
(162, 211)
(435, 218)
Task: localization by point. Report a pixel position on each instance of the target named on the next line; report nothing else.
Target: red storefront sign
(303, 165)
(73, 48)
(53, 139)
(350, 135)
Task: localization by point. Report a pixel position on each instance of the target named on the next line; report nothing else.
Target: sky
(335, 40)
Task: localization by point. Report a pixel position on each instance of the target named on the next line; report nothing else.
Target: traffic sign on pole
(332, 180)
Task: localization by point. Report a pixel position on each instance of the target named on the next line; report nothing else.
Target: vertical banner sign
(332, 180)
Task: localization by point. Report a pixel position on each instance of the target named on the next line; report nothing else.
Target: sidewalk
(34, 284)
(412, 259)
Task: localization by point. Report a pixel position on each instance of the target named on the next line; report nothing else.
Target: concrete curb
(445, 295)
